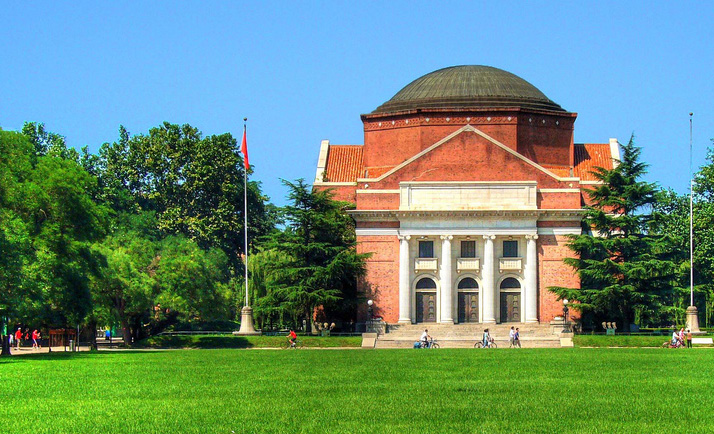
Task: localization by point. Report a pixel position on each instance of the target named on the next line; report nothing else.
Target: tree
(626, 269)
(15, 167)
(193, 183)
(318, 265)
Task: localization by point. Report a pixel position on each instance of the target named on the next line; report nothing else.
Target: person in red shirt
(35, 336)
(293, 337)
(18, 337)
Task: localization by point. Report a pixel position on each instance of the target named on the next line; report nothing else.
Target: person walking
(517, 338)
(689, 338)
(18, 337)
(35, 336)
(511, 335)
(486, 339)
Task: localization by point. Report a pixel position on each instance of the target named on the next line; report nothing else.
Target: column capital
(404, 237)
(447, 237)
(489, 237)
(532, 237)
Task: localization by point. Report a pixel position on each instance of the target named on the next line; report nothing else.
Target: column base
(489, 321)
(404, 321)
(246, 323)
(531, 321)
(447, 321)
(693, 320)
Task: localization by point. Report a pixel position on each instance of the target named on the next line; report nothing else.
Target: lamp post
(369, 309)
(692, 314)
(566, 327)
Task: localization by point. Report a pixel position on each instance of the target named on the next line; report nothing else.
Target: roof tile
(588, 156)
(344, 163)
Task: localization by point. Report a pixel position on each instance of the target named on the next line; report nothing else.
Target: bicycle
(668, 344)
(431, 344)
(292, 345)
(491, 344)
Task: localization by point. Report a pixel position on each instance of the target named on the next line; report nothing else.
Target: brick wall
(381, 282)
(553, 272)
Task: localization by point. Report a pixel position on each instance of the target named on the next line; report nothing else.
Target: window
(426, 249)
(468, 283)
(426, 283)
(468, 249)
(510, 283)
(510, 249)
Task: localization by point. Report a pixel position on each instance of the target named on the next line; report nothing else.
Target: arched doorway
(468, 300)
(426, 300)
(510, 300)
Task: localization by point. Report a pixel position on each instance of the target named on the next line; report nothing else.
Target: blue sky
(304, 71)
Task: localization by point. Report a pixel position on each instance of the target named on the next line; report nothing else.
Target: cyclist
(425, 339)
(292, 337)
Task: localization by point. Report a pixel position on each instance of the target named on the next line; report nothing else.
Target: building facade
(465, 189)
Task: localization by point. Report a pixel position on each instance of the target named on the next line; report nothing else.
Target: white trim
(376, 191)
(560, 231)
(471, 232)
(591, 182)
(376, 231)
(335, 183)
(322, 161)
(615, 152)
(463, 129)
(558, 190)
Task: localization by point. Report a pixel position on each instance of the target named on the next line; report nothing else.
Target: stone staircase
(465, 335)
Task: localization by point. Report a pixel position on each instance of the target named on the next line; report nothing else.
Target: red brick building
(465, 189)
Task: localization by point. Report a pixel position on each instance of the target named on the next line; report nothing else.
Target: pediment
(468, 155)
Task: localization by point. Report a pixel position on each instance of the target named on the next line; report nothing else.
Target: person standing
(689, 338)
(486, 339)
(517, 338)
(511, 335)
(18, 337)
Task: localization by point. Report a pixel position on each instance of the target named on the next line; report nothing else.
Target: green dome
(468, 86)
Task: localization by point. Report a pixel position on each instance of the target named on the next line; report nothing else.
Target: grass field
(230, 341)
(360, 391)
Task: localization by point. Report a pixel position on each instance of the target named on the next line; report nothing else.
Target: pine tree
(626, 270)
(317, 265)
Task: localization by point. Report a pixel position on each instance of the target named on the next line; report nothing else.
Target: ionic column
(405, 303)
(531, 295)
(489, 293)
(445, 278)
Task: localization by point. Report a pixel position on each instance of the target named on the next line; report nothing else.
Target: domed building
(466, 188)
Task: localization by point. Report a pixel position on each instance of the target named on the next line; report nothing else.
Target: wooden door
(510, 307)
(426, 306)
(468, 307)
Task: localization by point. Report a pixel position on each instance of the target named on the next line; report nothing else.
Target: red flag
(244, 150)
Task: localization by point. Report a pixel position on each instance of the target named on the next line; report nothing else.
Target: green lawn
(622, 341)
(360, 391)
(230, 341)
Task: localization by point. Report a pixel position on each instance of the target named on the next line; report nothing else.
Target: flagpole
(692, 313)
(245, 216)
(246, 314)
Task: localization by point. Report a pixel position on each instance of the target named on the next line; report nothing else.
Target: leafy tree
(318, 265)
(626, 270)
(48, 143)
(15, 167)
(193, 183)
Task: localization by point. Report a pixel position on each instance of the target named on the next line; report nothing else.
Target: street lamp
(566, 328)
(369, 309)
